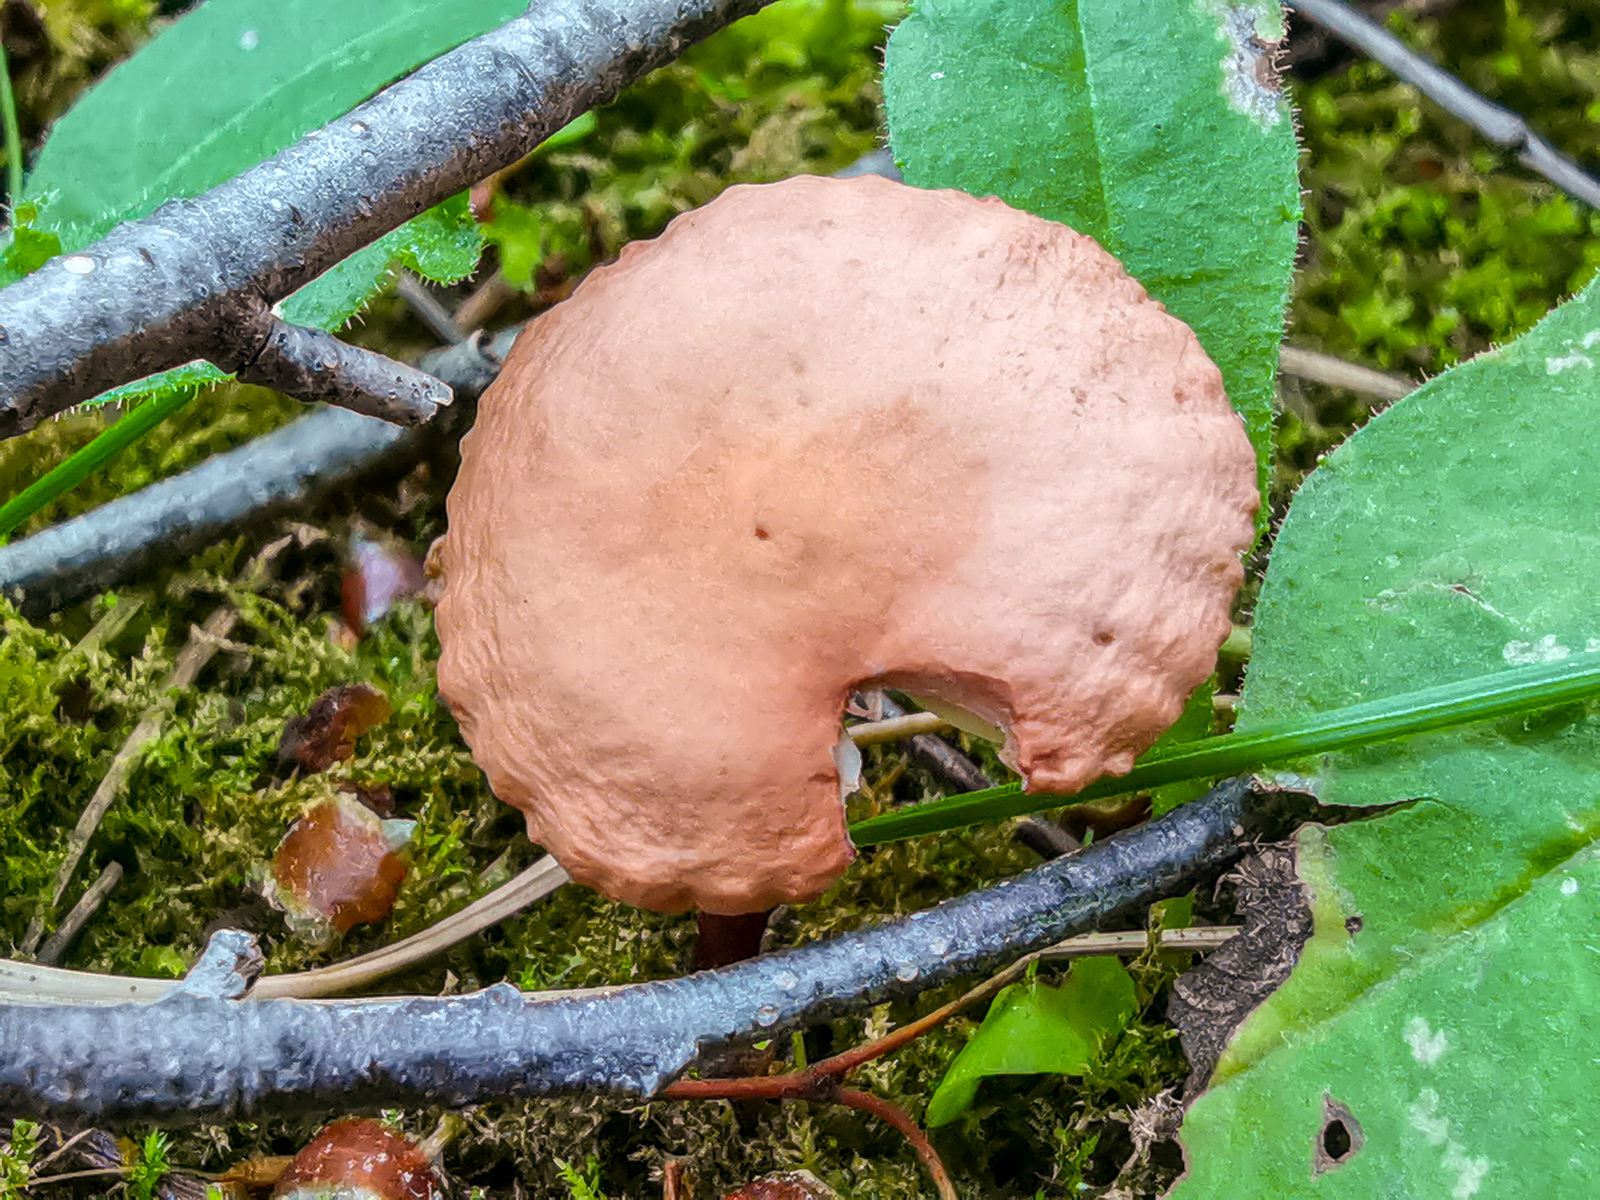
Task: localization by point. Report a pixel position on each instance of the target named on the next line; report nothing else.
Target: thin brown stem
(673, 1184)
(63, 1148)
(898, 1117)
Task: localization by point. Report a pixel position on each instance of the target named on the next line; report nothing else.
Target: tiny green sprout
(584, 1185)
(144, 1174)
(16, 1158)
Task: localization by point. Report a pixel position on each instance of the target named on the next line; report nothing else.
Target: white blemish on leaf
(1427, 1047)
(1569, 886)
(1561, 362)
(1469, 1172)
(1590, 338)
(1425, 1118)
(1546, 650)
(1592, 646)
(1249, 79)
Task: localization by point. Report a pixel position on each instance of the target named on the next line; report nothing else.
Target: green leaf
(1143, 124)
(257, 76)
(271, 73)
(520, 235)
(1032, 1029)
(1446, 994)
(442, 244)
(27, 248)
(151, 1164)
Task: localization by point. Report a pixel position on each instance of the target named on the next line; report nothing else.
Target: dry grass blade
(23, 983)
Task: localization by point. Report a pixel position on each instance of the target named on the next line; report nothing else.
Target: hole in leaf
(1338, 1140)
(1352, 925)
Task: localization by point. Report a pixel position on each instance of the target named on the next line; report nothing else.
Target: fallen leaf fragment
(327, 733)
(359, 1160)
(337, 864)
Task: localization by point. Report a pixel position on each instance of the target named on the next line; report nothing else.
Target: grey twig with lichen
(197, 279)
(201, 1055)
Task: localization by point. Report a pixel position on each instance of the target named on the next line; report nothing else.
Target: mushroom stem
(725, 940)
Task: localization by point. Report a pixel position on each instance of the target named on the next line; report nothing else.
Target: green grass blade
(1521, 689)
(8, 113)
(130, 427)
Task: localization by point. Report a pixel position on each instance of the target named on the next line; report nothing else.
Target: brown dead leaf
(327, 733)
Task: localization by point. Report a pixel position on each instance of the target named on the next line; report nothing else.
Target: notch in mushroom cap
(820, 435)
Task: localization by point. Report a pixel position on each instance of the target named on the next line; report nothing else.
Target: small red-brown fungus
(978, 464)
(359, 1160)
(338, 864)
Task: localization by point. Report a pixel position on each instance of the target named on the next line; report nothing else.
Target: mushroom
(823, 435)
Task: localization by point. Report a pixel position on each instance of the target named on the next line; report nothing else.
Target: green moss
(1426, 246)
(1406, 267)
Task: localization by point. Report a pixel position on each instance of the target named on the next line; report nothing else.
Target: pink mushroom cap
(823, 435)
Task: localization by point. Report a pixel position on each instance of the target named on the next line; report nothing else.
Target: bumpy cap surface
(819, 435)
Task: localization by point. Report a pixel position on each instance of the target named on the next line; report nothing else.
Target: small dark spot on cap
(1104, 638)
(761, 532)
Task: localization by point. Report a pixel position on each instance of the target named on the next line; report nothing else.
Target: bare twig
(1045, 838)
(88, 904)
(1335, 372)
(92, 1173)
(197, 278)
(1499, 125)
(478, 309)
(819, 1082)
(312, 365)
(939, 755)
(63, 1148)
(810, 1082)
(428, 309)
(23, 983)
(198, 1055)
(178, 516)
